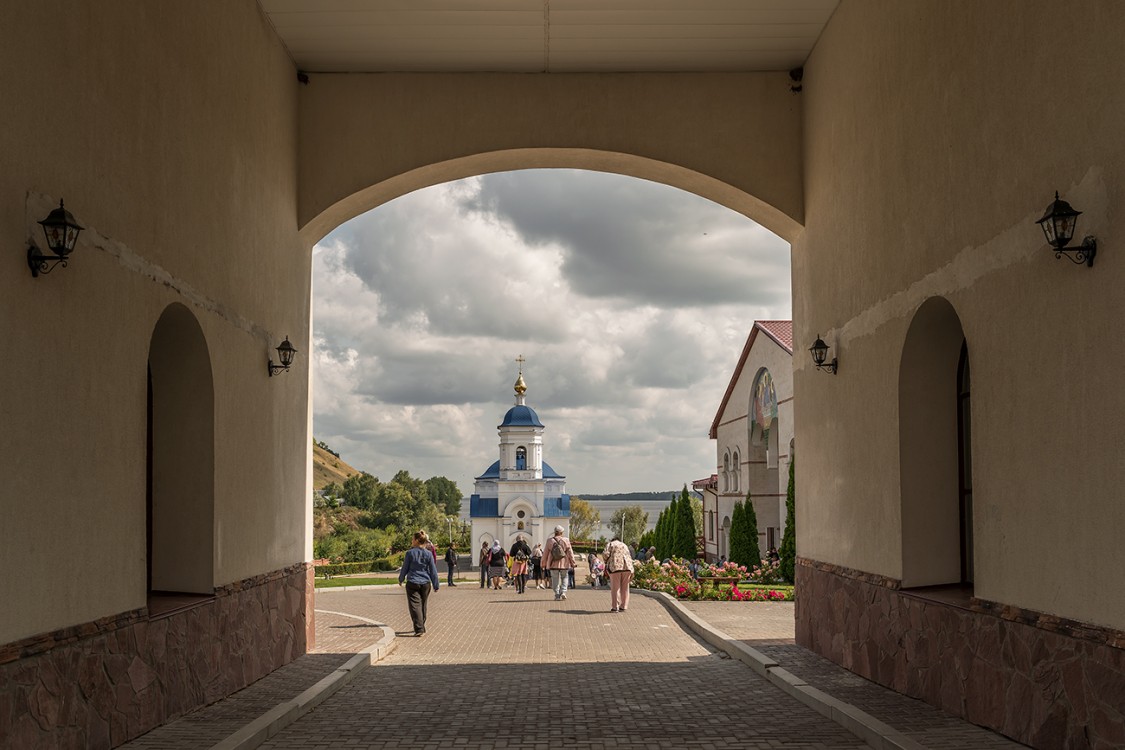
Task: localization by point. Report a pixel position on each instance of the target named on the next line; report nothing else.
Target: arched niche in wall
(181, 457)
(934, 453)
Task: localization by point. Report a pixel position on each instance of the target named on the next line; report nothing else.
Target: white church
(520, 494)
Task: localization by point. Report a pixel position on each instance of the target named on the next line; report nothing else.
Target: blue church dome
(521, 416)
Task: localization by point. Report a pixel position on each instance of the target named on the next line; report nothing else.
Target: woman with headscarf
(497, 565)
(521, 554)
(537, 566)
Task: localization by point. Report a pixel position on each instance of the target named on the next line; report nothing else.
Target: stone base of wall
(100, 684)
(1041, 680)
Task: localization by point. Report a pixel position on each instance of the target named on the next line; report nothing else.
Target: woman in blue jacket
(420, 572)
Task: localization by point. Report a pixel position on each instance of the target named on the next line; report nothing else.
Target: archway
(181, 457)
(934, 449)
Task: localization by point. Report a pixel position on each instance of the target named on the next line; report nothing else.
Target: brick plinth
(1018, 672)
(100, 684)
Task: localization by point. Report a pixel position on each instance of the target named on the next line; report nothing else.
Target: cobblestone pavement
(501, 670)
(771, 632)
(338, 638)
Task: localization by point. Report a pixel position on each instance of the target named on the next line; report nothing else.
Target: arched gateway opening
(660, 360)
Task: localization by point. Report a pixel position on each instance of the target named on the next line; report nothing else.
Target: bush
(340, 569)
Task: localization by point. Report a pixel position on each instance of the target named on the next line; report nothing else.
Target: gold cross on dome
(521, 360)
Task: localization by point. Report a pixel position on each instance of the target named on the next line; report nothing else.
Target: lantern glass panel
(286, 352)
(1064, 228)
(819, 351)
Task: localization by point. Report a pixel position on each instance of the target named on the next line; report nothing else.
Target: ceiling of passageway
(555, 36)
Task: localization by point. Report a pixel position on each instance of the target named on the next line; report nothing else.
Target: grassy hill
(327, 469)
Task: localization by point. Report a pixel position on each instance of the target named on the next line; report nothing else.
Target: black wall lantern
(1058, 225)
(819, 351)
(61, 231)
(285, 353)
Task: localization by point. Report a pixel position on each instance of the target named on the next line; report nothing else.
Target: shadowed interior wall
(734, 138)
(176, 149)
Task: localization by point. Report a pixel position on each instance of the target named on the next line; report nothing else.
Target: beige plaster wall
(733, 138)
(936, 133)
(171, 131)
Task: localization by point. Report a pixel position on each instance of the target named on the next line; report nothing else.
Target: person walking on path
(451, 561)
(497, 565)
(483, 564)
(619, 563)
(537, 566)
(420, 573)
(558, 557)
(520, 555)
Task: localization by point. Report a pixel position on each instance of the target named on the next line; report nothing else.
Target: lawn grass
(332, 583)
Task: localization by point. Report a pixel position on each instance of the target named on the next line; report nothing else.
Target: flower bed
(716, 582)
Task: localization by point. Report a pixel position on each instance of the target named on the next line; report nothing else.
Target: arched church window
(736, 472)
(521, 458)
(726, 472)
(763, 419)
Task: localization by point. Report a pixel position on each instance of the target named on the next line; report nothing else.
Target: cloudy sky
(629, 300)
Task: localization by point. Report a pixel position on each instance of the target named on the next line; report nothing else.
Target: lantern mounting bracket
(1083, 254)
(39, 263)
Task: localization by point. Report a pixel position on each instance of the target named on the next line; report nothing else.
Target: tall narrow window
(521, 458)
(965, 464)
(726, 472)
(736, 469)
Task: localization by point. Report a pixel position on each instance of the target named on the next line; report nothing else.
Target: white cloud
(631, 319)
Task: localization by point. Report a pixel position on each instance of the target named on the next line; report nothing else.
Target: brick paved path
(338, 637)
(500, 670)
(771, 632)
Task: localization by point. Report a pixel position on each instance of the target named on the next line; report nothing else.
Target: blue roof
(521, 416)
(492, 472)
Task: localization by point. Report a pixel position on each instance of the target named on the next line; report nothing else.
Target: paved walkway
(500, 670)
(770, 630)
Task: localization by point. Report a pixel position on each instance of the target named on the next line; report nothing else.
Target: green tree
(584, 519)
(744, 534)
(660, 533)
(393, 506)
(419, 495)
(630, 523)
(360, 490)
(647, 539)
(697, 515)
(683, 529)
(788, 551)
(332, 490)
(444, 494)
(750, 523)
(738, 551)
